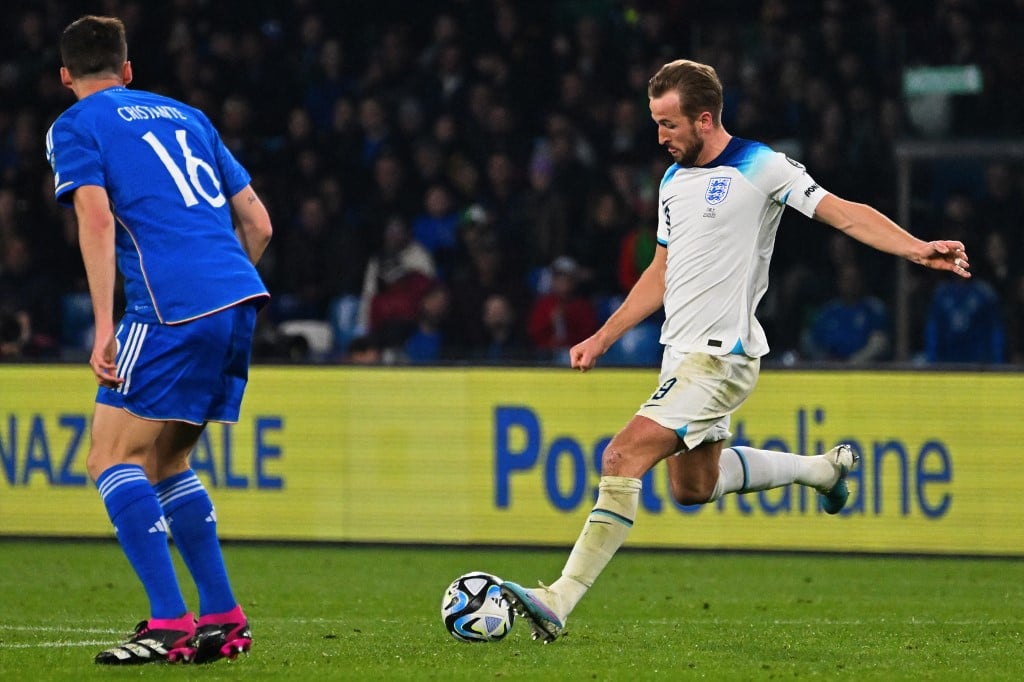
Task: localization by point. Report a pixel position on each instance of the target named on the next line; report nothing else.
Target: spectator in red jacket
(561, 316)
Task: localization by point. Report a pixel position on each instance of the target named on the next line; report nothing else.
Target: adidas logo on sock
(159, 527)
(212, 517)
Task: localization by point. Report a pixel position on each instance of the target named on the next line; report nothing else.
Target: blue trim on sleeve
(670, 173)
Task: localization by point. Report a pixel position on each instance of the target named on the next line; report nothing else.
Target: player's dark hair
(93, 46)
(698, 86)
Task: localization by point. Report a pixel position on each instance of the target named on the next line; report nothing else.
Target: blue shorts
(194, 372)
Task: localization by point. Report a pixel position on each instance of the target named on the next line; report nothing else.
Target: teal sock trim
(746, 473)
(613, 516)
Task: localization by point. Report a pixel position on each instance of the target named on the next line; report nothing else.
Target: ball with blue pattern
(473, 609)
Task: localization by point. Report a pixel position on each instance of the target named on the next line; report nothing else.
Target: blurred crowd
(476, 180)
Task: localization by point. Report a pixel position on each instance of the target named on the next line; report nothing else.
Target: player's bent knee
(619, 462)
(692, 492)
(611, 461)
(687, 497)
(632, 454)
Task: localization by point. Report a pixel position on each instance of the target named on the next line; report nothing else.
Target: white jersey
(718, 224)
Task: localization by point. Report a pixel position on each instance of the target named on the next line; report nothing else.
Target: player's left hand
(945, 255)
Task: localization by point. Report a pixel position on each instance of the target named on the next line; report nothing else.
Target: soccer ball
(473, 609)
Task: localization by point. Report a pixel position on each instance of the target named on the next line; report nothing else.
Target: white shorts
(698, 392)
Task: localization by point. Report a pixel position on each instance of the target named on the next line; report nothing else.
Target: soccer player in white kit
(721, 203)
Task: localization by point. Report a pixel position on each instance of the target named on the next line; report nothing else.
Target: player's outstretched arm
(252, 223)
(643, 299)
(867, 225)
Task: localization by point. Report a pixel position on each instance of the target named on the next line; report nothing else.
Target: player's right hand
(104, 363)
(584, 355)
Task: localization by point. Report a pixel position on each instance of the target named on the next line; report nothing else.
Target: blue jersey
(965, 323)
(841, 329)
(169, 178)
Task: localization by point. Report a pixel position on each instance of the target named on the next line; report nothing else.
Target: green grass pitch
(367, 613)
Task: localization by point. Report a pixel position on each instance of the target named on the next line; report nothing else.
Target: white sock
(743, 469)
(604, 532)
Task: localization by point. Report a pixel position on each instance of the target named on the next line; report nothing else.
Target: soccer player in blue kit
(720, 206)
(159, 197)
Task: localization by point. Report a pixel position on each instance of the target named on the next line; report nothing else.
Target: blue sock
(142, 531)
(193, 523)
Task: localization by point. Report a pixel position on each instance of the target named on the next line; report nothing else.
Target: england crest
(718, 189)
